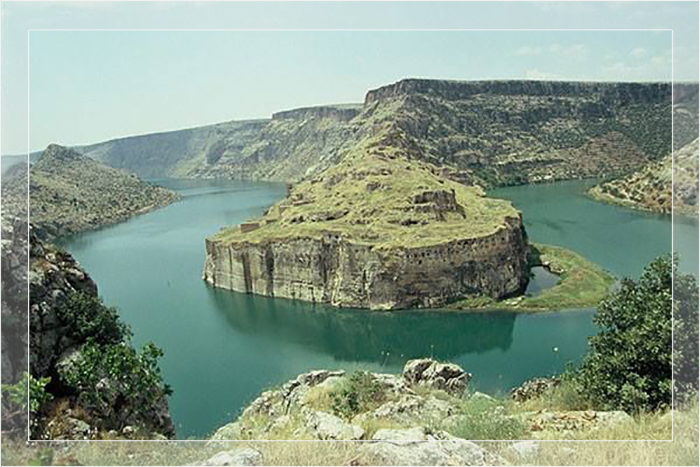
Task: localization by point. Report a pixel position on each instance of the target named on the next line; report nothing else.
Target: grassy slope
(582, 284)
(650, 187)
(367, 198)
(70, 193)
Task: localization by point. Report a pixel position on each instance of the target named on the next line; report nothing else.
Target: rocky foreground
(425, 416)
(70, 193)
(87, 381)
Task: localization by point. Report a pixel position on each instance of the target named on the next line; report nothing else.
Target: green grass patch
(359, 393)
(582, 284)
(486, 419)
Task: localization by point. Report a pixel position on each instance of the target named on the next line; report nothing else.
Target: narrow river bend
(222, 348)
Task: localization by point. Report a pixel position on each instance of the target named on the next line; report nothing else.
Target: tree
(628, 365)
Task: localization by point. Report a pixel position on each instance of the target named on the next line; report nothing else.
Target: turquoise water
(222, 348)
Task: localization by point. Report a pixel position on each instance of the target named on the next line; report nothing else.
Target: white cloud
(534, 73)
(639, 52)
(527, 50)
(573, 52)
(658, 68)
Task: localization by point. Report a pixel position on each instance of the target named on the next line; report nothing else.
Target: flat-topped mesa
(342, 113)
(638, 93)
(375, 233)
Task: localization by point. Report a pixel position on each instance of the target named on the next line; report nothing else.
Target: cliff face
(342, 273)
(99, 385)
(69, 193)
(514, 132)
(376, 230)
(286, 147)
(650, 187)
(486, 132)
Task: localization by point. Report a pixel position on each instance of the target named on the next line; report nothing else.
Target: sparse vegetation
(582, 284)
(482, 418)
(70, 193)
(650, 188)
(361, 392)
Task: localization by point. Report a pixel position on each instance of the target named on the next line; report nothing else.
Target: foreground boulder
(245, 456)
(533, 388)
(417, 446)
(421, 417)
(446, 376)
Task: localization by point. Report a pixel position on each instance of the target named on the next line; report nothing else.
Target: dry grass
(682, 451)
(367, 198)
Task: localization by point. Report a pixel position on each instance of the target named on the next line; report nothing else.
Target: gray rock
(481, 396)
(446, 376)
(326, 426)
(409, 410)
(418, 447)
(227, 432)
(244, 456)
(525, 450)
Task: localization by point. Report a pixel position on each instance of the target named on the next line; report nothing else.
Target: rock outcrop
(488, 132)
(668, 185)
(70, 193)
(419, 446)
(242, 456)
(375, 231)
(69, 326)
(407, 419)
(445, 376)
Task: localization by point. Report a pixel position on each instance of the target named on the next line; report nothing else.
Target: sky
(89, 86)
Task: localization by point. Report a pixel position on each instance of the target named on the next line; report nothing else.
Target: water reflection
(541, 280)
(360, 335)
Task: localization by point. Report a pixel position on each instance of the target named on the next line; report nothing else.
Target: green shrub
(360, 393)
(685, 337)
(15, 397)
(116, 383)
(86, 317)
(628, 366)
(485, 419)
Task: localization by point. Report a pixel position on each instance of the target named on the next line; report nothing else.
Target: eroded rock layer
(378, 230)
(343, 273)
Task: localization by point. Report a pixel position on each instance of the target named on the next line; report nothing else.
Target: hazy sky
(88, 86)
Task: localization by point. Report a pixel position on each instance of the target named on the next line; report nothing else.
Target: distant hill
(70, 193)
(485, 132)
(7, 163)
(650, 188)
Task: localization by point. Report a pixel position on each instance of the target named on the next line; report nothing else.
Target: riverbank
(582, 284)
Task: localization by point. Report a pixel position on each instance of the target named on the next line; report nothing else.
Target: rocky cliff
(379, 231)
(650, 187)
(69, 193)
(402, 416)
(98, 386)
(491, 132)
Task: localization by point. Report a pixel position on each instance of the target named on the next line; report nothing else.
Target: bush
(485, 419)
(86, 317)
(117, 384)
(685, 337)
(14, 401)
(361, 393)
(628, 366)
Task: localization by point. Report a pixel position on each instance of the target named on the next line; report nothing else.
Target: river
(222, 348)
